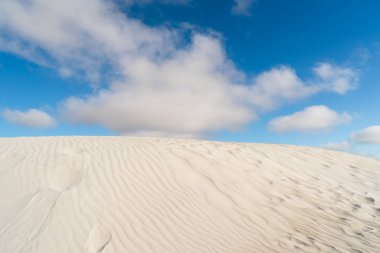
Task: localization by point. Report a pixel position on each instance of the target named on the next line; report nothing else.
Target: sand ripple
(142, 195)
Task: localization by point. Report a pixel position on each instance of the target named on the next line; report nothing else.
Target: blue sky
(295, 72)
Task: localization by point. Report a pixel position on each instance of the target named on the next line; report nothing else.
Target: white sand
(137, 195)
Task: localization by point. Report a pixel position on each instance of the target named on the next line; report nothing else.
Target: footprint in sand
(370, 200)
(98, 239)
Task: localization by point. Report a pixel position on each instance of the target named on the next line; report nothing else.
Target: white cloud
(369, 135)
(277, 86)
(190, 93)
(155, 81)
(86, 36)
(335, 78)
(311, 119)
(242, 7)
(344, 145)
(31, 118)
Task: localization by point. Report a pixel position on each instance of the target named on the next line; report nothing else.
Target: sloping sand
(140, 195)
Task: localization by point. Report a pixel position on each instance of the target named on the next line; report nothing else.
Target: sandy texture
(140, 195)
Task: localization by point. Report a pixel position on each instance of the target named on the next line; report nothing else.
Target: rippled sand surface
(137, 195)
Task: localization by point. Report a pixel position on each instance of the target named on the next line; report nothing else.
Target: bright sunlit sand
(141, 195)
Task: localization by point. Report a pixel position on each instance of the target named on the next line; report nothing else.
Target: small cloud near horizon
(311, 119)
(369, 135)
(30, 118)
(344, 145)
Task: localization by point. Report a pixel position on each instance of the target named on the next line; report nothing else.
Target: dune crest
(142, 195)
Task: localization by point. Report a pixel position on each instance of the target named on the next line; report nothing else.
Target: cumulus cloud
(242, 7)
(30, 118)
(344, 145)
(277, 86)
(154, 80)
(335, 78)
(190, 93)
(369, 135)
(87, 37)
(310, 119)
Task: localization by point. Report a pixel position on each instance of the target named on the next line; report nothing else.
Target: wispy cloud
(30, 118)
(242, 7)
(361, 56)
(140, 2)
(344, 145)
(313, 118)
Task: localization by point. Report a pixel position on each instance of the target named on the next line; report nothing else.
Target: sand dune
(137, 195)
